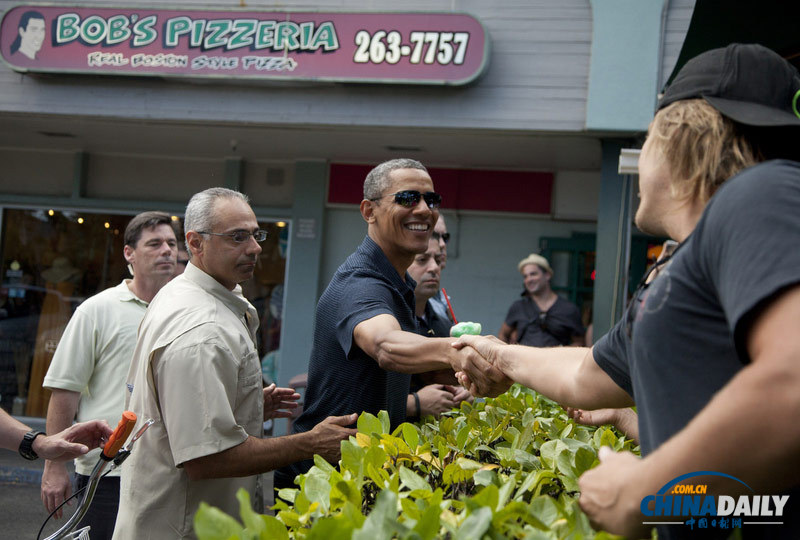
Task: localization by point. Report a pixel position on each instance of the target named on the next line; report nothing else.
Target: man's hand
(435, 399)
(329, 433)
(460, 394)
(476, 367)
(56, 486)
(278, 402)
(74, 441)
(624, 419)
(611, 494)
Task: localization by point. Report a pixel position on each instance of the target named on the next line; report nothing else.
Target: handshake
(476, 361)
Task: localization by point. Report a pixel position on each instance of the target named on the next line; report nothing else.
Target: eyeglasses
(241, 237)
(411, 197)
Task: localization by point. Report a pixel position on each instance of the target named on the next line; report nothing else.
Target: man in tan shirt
(196, 371)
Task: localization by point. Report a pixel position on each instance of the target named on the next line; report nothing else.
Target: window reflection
(54, 259)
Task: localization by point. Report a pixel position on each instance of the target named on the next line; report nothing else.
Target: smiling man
(365, 342)
(196, 372)
(31, 34)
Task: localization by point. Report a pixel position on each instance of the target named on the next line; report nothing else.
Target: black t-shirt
(688, 328)
(550, 328)
(342, 378)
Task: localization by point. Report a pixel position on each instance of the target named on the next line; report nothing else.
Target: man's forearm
(253, 456)
(11, 431)
(568, 375)
(748, 430)
(407, 352)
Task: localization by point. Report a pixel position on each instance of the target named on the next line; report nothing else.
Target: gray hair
(378, 178)
(200, 210)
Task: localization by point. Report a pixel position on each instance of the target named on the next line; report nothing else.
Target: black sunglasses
(411, 197)
(443, 236)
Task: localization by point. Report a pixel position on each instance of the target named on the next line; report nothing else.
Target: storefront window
(52, 260)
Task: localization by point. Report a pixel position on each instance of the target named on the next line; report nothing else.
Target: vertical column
(80, 173)
(302, 272)
(233, 173)
(613, 242)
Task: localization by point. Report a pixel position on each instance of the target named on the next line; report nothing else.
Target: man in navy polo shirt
(365, 342)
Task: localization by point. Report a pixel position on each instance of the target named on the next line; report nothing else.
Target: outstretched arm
(396, 350)
(255, 456)
(568, 375)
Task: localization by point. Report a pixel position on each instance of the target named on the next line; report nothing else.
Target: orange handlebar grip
(120, 435)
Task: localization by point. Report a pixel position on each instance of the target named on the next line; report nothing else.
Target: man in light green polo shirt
(87, 374)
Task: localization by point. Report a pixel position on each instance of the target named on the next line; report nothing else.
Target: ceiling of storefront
(446, 148)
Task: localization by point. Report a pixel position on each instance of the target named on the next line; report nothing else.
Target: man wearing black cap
(708, 349)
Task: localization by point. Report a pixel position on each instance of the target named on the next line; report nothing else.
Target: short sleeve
(748, 240)
(364, 298)
(73, 362)
(611, 354)
(197, 390)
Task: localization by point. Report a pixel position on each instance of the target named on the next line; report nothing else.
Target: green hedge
(500, 468)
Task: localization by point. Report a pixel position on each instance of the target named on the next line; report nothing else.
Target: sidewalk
(21, 508)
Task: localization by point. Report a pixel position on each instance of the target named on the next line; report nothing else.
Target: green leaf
(211, 523)
(428, 524)
(273, 529)
(461, 437)
(412, 481)
(353, 458)
(488, 496)
(411, 435)
(545, 509)
(330, 528)
(584, 460)
(468, 464)
(386, 424)
(484, 478)
(369, 424)
(317, 489)
(288, 494)
(320, 462)
(381, 522)
(607, 438)
(250, 518)
(476, 525)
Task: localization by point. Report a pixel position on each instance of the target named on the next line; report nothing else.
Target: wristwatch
(26, 446)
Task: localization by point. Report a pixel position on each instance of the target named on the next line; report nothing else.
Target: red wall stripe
(462, 189)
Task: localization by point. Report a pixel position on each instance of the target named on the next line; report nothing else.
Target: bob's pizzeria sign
(419, 48)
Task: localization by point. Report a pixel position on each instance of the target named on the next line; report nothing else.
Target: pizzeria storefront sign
(419, 48)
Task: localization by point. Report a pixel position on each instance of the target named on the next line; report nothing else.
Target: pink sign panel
(418, 48)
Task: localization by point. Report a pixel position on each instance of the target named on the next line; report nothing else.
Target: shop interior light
(80, 220)
(107, 225)
(281, 224)
(51, 212)
(175, 218)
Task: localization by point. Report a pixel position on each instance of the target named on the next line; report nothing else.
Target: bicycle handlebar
(120, 435)
(110, 451)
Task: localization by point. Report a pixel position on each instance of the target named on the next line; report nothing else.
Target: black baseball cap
(748, 83)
